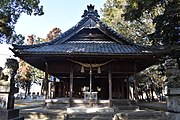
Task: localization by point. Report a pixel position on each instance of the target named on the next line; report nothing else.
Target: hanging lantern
(82, 69)
(99, 70)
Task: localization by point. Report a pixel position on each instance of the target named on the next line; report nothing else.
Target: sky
(5, 53)
(63, 14)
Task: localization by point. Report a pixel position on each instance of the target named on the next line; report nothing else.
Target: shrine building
(91, 61)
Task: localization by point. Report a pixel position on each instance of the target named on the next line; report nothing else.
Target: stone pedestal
(173, 99)
(173, 103)
(170, 116)
(173, 84)
(4, 94)
(12, 114)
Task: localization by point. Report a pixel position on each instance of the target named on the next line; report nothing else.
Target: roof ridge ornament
(90, 12)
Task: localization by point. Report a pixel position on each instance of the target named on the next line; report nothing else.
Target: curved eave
(71, 54)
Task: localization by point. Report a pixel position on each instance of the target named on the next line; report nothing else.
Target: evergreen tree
(137, 30)
(10, 11)
(166, 24)
(27, 74)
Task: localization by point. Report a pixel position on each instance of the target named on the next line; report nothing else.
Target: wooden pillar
(90, 81)
(122, 89)
(110, 88)
(127, 88)
(46, 83)
(135, 83)
(54, 85)
(71, 87)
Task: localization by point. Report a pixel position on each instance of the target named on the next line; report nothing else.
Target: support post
(135, 83)
(127, 88)
(90, 87)
(54, 85)
(90, 81)
(71, 87)
(110, 88)
(46, 83)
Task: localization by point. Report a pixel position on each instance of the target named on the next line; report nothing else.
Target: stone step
(85, 116)
(54, 115)
(17, 118)
(90, 110)
(117, 108)
(90, 115)
(111, 116)
(124, 104)
(140, 115)
(62, 103)
(94, 118)
(145, 118)
(38, 115)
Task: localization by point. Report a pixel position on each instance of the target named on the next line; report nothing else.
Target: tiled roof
(89, 48)
(113, 44)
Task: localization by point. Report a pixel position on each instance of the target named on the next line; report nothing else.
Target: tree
(24, 77)
(154, 21)
(152, 79)
(166, 24)
(27, 74)
(55, 32)
(137, 30)
(10, 11)
(147, 22)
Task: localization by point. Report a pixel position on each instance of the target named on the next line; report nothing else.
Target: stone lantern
(173, 84)
(7, 90)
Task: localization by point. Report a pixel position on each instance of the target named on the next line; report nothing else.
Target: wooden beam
(71, 87)
(110, 88)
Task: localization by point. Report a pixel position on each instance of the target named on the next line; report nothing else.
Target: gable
(93, 35)
(92, 29)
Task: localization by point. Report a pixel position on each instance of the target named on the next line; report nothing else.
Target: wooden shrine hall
(91, 60)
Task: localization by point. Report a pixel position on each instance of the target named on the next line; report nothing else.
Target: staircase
(90, 116)
(139, 115)
(41, 113)
(124, 104)
(121, 110)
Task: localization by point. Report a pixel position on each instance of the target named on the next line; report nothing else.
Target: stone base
(173, 91)
(173, 103)
(171, 116)
(12, 114)
(90, 110)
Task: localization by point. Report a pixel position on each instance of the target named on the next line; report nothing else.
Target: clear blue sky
(63, 14)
